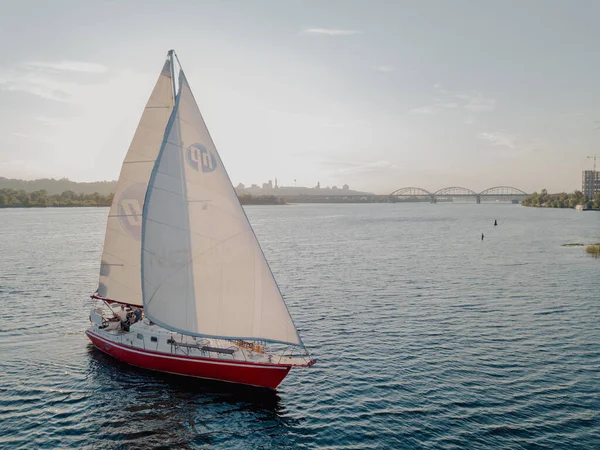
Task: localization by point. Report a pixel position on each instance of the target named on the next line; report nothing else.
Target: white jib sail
(203, 272)
(120, 266)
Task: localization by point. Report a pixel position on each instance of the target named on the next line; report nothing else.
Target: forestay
(120, 266)
(203, 271)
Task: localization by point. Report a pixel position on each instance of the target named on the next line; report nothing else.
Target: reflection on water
(145, 408)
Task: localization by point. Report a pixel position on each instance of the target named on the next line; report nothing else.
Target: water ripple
(426, 337)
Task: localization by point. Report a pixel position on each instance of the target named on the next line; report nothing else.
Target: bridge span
(506, 193)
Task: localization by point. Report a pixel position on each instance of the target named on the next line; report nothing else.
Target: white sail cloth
(120, 266)
(203, 271)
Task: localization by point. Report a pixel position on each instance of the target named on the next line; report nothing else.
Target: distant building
(334, 188)
(318, 186)
(590, 183)
(276, 186)
(240, 186)
(346, 187)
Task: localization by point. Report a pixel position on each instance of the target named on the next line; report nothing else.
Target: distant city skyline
(276, 189)
(274, 185)
(378, 95)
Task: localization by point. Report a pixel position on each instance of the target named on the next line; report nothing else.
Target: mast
(172, 63)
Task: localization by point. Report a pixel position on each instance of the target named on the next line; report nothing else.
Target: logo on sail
(198, 157)
(129, 209)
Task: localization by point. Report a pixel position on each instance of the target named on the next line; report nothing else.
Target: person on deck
(137, 314)
(121, 313)
(129, 320)
(111, 324)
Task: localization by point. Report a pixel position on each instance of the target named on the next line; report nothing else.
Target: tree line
(562, 200)
(12, 198)
(56, 186)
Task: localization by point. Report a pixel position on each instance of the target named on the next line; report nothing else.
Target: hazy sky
(376, 94)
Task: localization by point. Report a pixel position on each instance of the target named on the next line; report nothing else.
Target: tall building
(590, 183)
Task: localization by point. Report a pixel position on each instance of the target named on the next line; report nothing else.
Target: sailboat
(184, 285)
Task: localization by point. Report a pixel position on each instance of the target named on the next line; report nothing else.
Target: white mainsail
(203, 271)
(120, 266)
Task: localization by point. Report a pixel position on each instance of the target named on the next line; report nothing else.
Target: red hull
(262, 375)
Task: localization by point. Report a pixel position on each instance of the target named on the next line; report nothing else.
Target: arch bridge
(507, 193)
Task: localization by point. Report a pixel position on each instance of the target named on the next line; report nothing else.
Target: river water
(426, 336)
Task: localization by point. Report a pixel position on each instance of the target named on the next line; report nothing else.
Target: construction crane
(594, 158)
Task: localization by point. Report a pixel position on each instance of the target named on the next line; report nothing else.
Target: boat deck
(145, 335)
